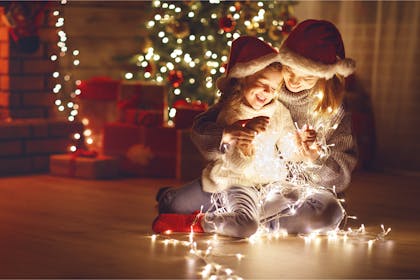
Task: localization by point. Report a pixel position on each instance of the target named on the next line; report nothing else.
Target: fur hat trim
(343, 67)
(244, 69)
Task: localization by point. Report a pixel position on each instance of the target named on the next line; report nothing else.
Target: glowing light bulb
(128, 75)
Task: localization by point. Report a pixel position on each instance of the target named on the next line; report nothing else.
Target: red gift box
(100, 167)
(190, 163)
(99, 88)
(153, 151)
(186, 112)
(143, 95)
(158, 145)
(184, 117)
(98, 104)
(118, 137)
(143, 151)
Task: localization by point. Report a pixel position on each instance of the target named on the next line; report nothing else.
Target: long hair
(330, 93)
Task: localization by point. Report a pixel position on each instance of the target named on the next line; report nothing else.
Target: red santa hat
(248, 55)
(315, 47)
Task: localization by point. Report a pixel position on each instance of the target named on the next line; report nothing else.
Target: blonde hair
(330, 93)
(233, 95)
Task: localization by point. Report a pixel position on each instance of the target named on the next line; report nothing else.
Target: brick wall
(26, 144)
(29, 131)
(25, 90)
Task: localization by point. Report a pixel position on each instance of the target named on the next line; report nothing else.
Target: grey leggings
(319, 211)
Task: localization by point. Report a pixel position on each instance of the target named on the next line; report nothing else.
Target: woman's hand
(307, 134)
(306, 141)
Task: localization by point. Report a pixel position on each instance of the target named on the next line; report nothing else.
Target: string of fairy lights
(207, 248)
(214, 270)
(65, 84)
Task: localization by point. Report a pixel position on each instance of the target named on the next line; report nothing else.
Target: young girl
(315, 65)
(249, 100)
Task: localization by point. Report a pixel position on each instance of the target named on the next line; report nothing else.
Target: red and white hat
(248, 55)
(315, 47)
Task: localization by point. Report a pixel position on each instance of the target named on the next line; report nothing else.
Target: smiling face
(297, 81)
(259, 89)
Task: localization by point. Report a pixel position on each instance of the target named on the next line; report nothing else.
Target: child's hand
(238, 132)
(258, 124)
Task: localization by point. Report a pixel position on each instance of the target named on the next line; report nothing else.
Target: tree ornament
(146, 45)
(288, 25)
(251, 30)
(275, 33)
(176, 78)
(188, 2)
(238, 6)
(149, 68)
(179, 29)
(261, 27)
(227, 23)
(205, 69)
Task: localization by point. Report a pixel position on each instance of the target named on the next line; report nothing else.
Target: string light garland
(205, 251)
(66, 84)
(301, 177)
(64, 80)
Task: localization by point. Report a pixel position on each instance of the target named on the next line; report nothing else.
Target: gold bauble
(274, 33)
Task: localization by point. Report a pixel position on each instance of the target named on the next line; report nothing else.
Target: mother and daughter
(278, 142)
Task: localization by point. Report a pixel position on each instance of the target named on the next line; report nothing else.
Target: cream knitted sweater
(335, 170)
(265, 165)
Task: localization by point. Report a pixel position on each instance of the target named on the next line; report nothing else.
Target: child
(248, 100)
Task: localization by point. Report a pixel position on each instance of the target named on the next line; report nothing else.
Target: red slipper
(178, 223)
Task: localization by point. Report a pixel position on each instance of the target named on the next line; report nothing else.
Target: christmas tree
(189, 42)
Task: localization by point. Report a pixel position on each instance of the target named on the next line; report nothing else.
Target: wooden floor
(55, 227)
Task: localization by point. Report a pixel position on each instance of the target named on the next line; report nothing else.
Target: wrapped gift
(98, 105)
(186, 112)
(155, 155)
(158, 152)
(143, 151)
(150, 118)
(99, 88)
(143, 95)
(184, 117)
(189, 162)
(99, 167)
(119, 137)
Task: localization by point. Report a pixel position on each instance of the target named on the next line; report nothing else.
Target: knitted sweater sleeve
(206, 134)
(337, 169)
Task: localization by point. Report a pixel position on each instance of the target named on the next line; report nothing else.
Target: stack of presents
(128, 123)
